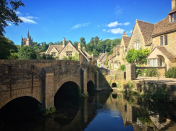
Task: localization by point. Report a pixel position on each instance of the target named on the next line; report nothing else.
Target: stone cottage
(164, 41)
(66, 50)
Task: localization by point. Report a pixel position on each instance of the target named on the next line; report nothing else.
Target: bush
(151, 72)
(123, 67)
(130, 85)
(171, 73)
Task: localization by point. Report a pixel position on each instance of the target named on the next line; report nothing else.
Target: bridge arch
(18, 94)
(90, 86)
(19, 106)
(67, 90)
(114, 84)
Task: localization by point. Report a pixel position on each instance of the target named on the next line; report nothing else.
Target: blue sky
(51, 20)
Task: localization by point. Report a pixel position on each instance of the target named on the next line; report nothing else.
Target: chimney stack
(79, 46)
(124, 34)
(64, 42)
(173, 3)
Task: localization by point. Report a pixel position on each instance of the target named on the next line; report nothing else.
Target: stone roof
(163, 26)
(173, 10)
(126, 40)
(110, 57)
(118, 49)
(103, 54)
(58, 47)
(146, 29)
(165, 52)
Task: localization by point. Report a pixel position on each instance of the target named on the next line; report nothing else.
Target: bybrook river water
(102, 111)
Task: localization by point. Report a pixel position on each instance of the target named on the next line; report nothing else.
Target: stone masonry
(41, 79)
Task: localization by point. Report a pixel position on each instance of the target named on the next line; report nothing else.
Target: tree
(6, 47)
(96, 40)
(76, 44)
(137, 56)
(82, 42)
(26, 53)
(9, 14)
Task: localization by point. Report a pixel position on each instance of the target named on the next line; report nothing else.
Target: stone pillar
(98, 82)
(130, 72)
(48, 94)
(85, 82)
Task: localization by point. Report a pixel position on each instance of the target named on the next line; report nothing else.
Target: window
(69, 53)
(173, 17)
(160, 60)
(161, 40)
(151, 62)
(53, 53)
(165, 38)
(137, 46)
(154, 62)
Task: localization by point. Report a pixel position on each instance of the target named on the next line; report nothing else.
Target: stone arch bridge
(41, 79)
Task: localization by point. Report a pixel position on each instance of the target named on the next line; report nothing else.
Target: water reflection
(105, 111)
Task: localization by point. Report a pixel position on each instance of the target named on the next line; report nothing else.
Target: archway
(66, 102)
(90, 87)
(114, 85)
(18, 112)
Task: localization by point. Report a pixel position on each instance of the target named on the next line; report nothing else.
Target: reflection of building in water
(140, 118)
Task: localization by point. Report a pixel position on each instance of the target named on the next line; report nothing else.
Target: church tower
(28, 41)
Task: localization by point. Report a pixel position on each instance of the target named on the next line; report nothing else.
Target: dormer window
(173, 17)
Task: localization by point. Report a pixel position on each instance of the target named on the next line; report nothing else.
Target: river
(101, 111)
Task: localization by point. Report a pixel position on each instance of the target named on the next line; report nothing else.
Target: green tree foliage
(123, 67)
(152, 72)
(82, 42)
(26, 53)
(7, 13)
(171, 73)
(137, 56)
(6, 48)
(76, 44)
(97, 46)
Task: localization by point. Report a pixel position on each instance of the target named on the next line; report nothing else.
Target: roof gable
(57, 47)
(163, 26)
(163, 51)
(146, 30)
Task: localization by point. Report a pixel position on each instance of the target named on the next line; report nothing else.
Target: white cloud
(131, 31)
(9, 24)
(104, 29)
(118, 10)
(126, 23)
(17, 12)
(112, 38)
(79, 25)
(27, 20)
(31, 17)
(116, 31)
(114, 24)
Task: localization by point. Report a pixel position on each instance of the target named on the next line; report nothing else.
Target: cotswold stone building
(66, 50)
(28, 41)
(164, 41)
(123, 49)
(141, 35)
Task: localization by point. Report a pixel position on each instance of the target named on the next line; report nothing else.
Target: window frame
(68, 53)
(161, 40)
(165, 40)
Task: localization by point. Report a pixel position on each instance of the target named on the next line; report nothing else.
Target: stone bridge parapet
(41, 79)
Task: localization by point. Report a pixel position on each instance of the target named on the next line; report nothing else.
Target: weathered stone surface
(20, 78)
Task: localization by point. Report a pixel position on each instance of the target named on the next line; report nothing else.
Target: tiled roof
(126, 40)
(118, 49)
(102, 56)
(58, 48)
(173, 10)
(165, 52)
(164, 26)
(146, 29)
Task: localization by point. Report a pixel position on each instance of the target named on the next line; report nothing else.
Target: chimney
(79, 46)
(124, 34)
(64, 42)
(173, 3)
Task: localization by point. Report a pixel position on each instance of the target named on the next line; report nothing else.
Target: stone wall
(136, 37)
(20, 78)
(130, 72)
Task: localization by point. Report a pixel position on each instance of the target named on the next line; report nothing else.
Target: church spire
(28, 34)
